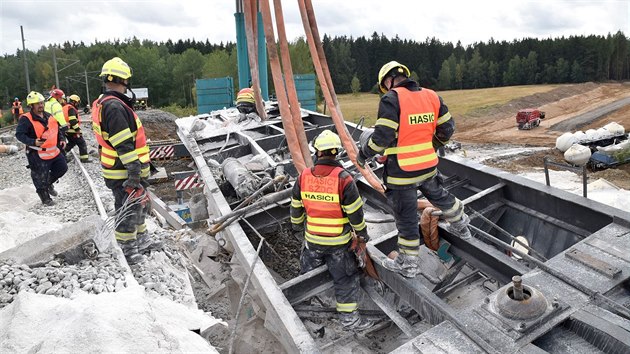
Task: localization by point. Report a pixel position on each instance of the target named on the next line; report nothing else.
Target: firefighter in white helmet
(412, 123)
(327, 200)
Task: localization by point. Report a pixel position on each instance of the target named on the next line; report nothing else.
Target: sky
(46, 21)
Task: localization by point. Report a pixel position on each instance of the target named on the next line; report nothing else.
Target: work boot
(353, 321)
(84, 159)
(460, 227)
(45, 198)
(146, 243)
(130, 250)
(406, 265)
(52, 191)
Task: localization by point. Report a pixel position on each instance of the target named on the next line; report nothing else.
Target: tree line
(169, 69)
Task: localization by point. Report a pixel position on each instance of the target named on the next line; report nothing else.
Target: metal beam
(307, 285)
(281, 317)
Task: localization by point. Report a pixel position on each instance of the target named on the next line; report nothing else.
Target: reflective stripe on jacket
(325, 220)
(50, 133)
(112, 163)
(53, 107)
(71, 120)
(418, 118)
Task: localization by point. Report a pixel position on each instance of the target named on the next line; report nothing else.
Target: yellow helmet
(34, 97)
(113, 68)
(74, 98)
(327, 140)
(387, 68)
(245, 95)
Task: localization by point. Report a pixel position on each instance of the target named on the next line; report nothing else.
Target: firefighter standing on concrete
(39, 131)
(412, 123)
(16, 109)
(124, 157)
(73, 134)
(327, 199)
(53, 106)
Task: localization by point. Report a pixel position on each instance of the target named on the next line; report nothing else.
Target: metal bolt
(486, 300)
(517, 286)
(522, 325)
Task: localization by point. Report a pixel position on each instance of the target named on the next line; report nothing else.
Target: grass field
(459, 102)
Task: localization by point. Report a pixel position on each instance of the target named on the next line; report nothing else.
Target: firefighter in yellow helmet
(40, 132)
(326, 198)
(124, 157)
(413, 122)
(74, 134)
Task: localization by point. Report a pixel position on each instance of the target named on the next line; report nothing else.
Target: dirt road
(574, 106)
(570, 107)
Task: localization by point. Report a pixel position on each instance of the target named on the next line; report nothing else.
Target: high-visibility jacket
(53, 107)
(71, 115)
(114, 165)
(50, 133)
(418, 119)
(325, 219)
(17, 107)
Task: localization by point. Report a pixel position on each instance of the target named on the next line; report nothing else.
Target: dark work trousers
(405, 205)
(433, 190)
(73, 141)
(342, 266)
(45, 172)
(134, 217)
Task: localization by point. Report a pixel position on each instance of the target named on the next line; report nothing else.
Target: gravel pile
(103, 274)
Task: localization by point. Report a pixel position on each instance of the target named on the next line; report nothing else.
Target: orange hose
(281, 94)
(252, 54)
(294, 104)
(323, 75)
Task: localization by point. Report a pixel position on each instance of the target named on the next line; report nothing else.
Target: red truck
(529, 118)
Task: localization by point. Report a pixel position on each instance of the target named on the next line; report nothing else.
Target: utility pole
(87, 89)
(55, 63)
(28, 82)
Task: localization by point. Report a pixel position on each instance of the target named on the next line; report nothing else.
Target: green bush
(180, 111)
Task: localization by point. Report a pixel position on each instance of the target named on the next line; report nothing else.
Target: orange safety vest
(325, 220)
(66, 115)
(109, 156)
(419, 112)
(49, 149)
(17, 106)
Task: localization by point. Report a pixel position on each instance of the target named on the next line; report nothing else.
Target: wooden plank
(594, 263)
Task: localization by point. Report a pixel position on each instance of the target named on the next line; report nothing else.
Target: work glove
(361, 159)
(363, 236)
(133, 179)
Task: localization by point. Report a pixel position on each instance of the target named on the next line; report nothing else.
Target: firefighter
(73, 134)
(124, 157)
(246, 103)
(39, 131)
(327, 199)
(413, 122)
(53, 106)
(16, 109)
